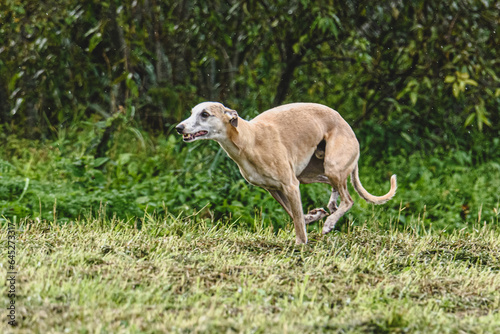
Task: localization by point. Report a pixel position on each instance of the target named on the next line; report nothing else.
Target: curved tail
(366, 195)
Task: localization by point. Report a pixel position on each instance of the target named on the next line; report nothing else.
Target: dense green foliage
(419, 74)
(97, 86)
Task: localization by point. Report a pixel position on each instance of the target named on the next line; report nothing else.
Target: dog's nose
(180, 129)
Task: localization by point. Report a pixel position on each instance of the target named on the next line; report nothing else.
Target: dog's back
(303, 123)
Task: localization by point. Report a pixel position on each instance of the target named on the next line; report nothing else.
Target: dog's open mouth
(192, 136)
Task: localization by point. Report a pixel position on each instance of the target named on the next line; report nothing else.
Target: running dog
(284, 147)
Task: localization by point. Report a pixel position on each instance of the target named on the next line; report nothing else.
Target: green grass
(193, 275)
(109, 244)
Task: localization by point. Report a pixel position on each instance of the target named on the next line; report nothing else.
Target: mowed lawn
(192, 276)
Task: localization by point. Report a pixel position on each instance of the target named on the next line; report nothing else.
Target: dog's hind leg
(314, 215)
(332, 204)
(346, 203)
(341, 156)
(317, 214)
(310, 217)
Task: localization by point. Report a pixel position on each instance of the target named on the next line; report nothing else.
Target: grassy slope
(187, 276)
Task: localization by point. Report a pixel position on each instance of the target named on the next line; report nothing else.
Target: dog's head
(208, 120)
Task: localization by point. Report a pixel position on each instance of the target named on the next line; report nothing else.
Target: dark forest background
(90, 92)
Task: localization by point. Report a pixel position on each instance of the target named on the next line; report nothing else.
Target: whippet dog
(285, 146)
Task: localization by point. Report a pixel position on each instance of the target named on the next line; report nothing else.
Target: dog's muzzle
(180, 129)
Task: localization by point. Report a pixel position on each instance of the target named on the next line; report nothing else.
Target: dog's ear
(233, 116)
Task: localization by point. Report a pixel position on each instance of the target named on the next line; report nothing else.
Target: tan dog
(285, 146)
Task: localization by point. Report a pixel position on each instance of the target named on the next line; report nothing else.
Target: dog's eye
(205, 114)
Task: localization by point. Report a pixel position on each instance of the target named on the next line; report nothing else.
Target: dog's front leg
(292, 193)
(281, 199)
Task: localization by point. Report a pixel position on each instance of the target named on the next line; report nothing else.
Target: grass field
(191, 275)
(99, 249)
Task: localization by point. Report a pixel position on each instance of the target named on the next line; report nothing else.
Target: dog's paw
(320, 154)
(327, 229)
(318, 211)
(314, 215)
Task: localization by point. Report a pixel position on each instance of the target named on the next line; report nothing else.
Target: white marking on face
(204, 123)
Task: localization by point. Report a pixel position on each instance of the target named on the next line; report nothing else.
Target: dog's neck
(237, 139)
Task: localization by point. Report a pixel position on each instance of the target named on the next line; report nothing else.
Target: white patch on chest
(253, 176)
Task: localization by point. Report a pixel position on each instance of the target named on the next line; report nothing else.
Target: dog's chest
(257, 176)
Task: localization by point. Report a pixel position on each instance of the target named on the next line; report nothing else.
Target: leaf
(413, 97)
(395, 103)
(456, 90)
(142, 200)
(461, 85)
(427, 82)
(13, 80)
(228, 40)
(131, 84)
(461, 75)
(479, 123)
(124, 158)
(122, 77)
(470, 82)
(92, 30)
(94, 41)
(485, 120)
(481, 116)
(449, 78)
(401, 94)
(469, 120)
(406, 137)
(100, 161)
(96, 176)
(19, 101)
